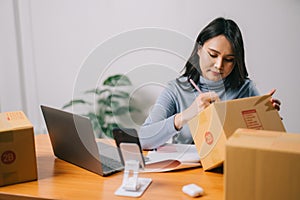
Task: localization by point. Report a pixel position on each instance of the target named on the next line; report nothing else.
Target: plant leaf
(121, 110)
(117, 80)
(104, 102)
(75, 101)
(114, 104)
(133, 109)
(109, 128)
(124, 109)
(123, 95)
(109, 113)
(94, 119)
(101, 120)
(97, 91)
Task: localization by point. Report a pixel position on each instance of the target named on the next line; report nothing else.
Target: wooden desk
(58, 179)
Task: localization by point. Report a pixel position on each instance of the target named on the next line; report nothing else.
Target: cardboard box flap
(255, 112)
(265, 140)
(14, 121)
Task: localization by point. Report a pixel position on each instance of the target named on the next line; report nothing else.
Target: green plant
(111, 101)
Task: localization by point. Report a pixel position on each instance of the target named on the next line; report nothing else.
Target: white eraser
(193, 190)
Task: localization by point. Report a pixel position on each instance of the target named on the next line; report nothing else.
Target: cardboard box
(262, 165)
(17, 149)
(215, 124)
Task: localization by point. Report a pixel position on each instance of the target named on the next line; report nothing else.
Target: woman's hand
(275, 102)
(200, 103)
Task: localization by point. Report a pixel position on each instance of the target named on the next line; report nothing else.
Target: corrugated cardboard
(262, 165)
(17, 149)
(215, 124)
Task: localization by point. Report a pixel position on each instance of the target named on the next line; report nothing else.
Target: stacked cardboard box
(17, 149)
(262, 165)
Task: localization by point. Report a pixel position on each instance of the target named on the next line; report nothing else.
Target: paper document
(172, 157)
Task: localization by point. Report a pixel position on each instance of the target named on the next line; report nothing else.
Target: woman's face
(216, 58)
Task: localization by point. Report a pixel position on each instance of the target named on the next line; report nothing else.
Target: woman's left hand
(275, 102)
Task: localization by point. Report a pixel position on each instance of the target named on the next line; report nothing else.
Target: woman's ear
(199, 50)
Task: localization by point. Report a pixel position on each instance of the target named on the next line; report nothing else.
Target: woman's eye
(213, 55)
(229, 59)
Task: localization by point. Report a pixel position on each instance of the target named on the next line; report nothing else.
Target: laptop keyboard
(109, 164)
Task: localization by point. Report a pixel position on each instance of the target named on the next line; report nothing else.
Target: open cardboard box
(214, 125)
(17, 149)
(262, 165)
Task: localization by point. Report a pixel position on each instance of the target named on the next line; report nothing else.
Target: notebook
(73, 140)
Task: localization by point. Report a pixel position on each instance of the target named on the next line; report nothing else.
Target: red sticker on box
(251, 119)
(14, 116)
(8, 157)
(209, 138)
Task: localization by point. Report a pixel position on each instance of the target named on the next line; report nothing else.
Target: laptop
(73, 140)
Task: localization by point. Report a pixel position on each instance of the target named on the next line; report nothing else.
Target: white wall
(46, 46)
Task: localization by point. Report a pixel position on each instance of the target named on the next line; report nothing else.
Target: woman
(217, 66)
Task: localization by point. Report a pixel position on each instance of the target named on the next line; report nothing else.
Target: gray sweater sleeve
(159, 125)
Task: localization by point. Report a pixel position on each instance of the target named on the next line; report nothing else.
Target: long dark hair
(231, 31)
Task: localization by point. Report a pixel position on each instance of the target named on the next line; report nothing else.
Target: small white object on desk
(193, 190)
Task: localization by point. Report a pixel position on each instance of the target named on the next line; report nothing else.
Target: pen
(198, 89)
(195, 86)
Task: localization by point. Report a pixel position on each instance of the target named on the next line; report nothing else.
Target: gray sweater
(159, 128)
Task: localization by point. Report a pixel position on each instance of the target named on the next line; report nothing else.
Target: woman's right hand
(199, 104)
